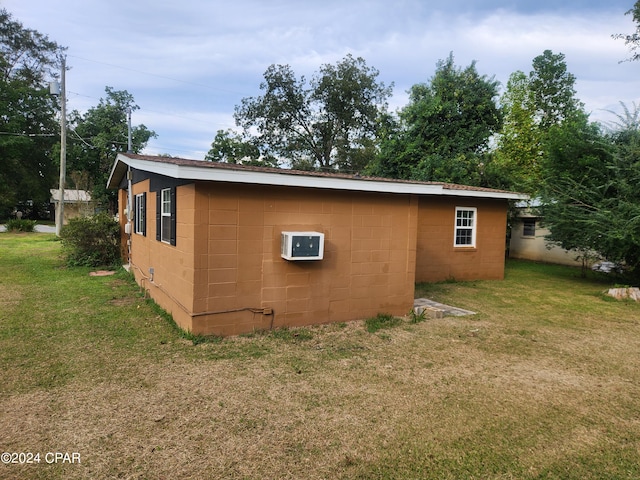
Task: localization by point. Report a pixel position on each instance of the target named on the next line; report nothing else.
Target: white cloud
(188, 63)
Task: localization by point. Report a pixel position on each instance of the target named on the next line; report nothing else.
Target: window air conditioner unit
(302, 245)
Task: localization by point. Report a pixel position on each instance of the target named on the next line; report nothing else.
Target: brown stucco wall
(226, 276)
(368, 265)
(437, 259)
(172, 282)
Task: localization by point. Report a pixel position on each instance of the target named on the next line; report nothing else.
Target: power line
(16, 134)
(82, 139)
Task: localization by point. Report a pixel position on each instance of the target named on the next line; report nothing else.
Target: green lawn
(543, 383)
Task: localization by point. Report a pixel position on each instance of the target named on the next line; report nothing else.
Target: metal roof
(70, 195)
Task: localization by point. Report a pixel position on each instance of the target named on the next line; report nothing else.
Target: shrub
(91, 241)
(20, 225)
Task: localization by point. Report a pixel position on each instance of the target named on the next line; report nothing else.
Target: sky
(188, 63)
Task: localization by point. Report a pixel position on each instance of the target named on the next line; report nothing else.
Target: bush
(91, 241)
(20, 225)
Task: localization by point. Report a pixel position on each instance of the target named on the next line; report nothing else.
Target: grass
(380, 321)
(543, 383)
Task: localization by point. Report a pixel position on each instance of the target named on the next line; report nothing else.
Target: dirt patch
(102, 273)
(123, 302)
(9, 296)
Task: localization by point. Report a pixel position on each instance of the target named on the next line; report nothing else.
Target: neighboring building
(528, 239)
(206, 241)
(77, 203)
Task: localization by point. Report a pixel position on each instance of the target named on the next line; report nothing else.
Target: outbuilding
(229, 249)
(529, 238)
(77, 203)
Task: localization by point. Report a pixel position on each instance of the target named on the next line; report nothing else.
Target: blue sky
(188, 63)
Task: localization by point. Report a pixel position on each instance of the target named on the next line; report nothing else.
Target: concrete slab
(446, 309)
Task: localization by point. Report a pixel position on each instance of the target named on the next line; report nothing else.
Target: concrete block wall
(173, 280)
(226, 276)
(438, 259)
(368, 265)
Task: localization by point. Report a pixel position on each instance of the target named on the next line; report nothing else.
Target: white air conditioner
(302, 245)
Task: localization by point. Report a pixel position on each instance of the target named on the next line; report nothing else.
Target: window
(166, 216)
(141, 214)
(465, 230)
(529, 227)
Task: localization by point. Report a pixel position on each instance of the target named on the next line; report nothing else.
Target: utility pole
(130, 212)
(129, 142)
(63, 146)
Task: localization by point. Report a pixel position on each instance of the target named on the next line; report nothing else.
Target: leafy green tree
(445, 129)
(632, 40)
(553, 90)
(518, 146)
(532, 106)
(231, 147)
(628, 122)
(329, 123)
(393, 159)
(591, 199)
(28, 125)
(98, 136)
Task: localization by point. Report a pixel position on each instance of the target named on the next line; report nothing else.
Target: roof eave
(192, 172)
(118, 171)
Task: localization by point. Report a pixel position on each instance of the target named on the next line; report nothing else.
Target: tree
(98, 136)
(553, 90)
(329, 123)
(25, 54)
(591, 199)
(532, 106)
(230, 147)
(445, 129)
(28, 127)
(632, 40)
(518, 145)
(628, 122)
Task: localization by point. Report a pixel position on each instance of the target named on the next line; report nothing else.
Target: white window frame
(465, 222)
(165, 215)
(140, 214)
